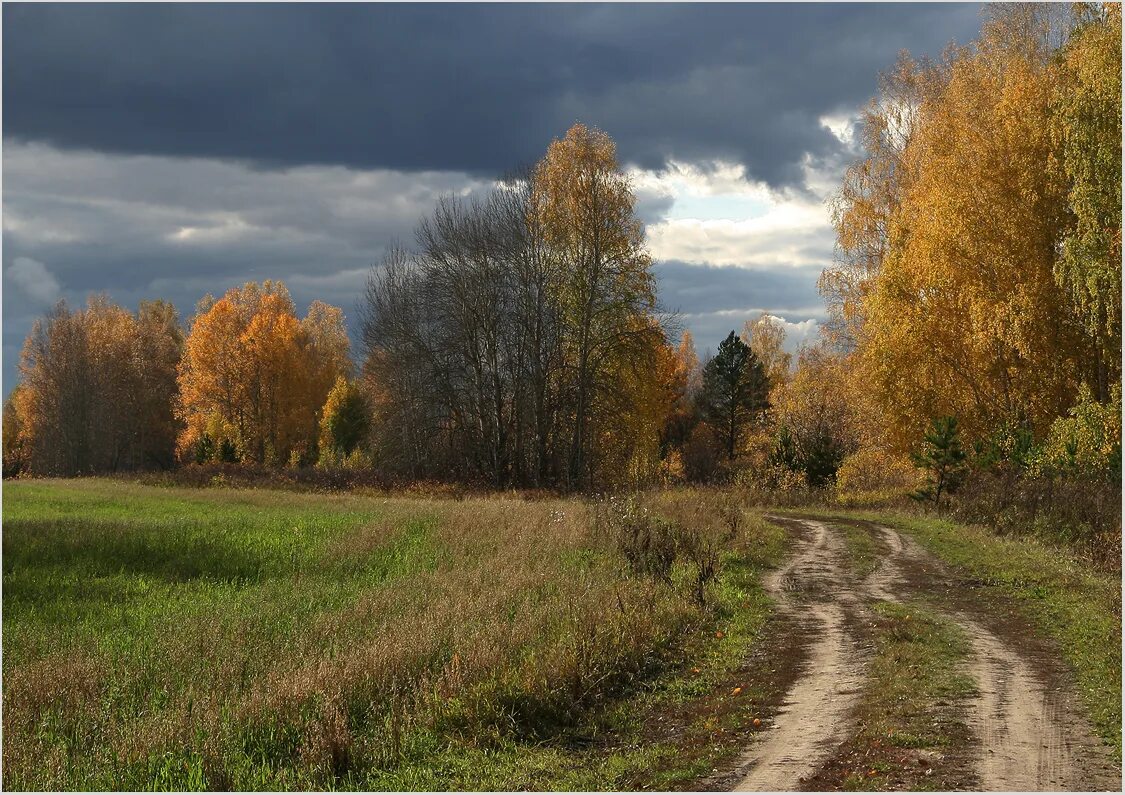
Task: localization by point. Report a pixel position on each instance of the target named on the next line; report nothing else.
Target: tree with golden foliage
(254, 378)
(652, 389)
(683, 375)
(1086, 115)
(965, 317)
(766, 337)
(872, 190)
(160, 345)
(97, 389)
(816, 414)
(585, 205)
(15, 453)
(344, 422)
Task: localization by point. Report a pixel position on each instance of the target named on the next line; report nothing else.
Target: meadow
(252, 639)
(211, 637)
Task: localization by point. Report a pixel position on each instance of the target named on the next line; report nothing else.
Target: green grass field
(217, 638)
(182, 638)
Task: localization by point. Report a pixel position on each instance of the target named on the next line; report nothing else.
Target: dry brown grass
(475, 620)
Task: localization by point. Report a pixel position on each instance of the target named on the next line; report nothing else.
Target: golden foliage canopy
(255, 377)
(950, 287)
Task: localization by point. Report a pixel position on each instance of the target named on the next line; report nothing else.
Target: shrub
(772, 484)
(1086, 442)
(702, 455)
(703, 540)
(647, 542)
(1067, 490)
(871, 475)
(1009, 446)
(784, 454)
(943, 459)
(1081, 512)
(682, 531)
(204, 449)
(817, 456)
(672, 468)
(358, 459)
(228, 453)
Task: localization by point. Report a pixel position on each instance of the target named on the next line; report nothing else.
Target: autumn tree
(97, 389)
(110, 334)
(160, 344)
(254, 377)
(765, 335)
(1086, 119)
(15, 452)
(817, 414)
(325, 336)
(649, 383)
(585, 205)
(684, 376)
(702, 454)
(873, 188)
(965, 317)
(344, 421)
(56, 404)
(734, 393)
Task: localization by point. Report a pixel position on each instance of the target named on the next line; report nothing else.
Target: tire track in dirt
(813, 588)
(1031, 738)
(1031, 735)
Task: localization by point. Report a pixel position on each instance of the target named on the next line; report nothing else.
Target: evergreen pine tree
(735, 390)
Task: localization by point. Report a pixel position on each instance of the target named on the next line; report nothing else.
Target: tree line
(975, 301)
(518, 343)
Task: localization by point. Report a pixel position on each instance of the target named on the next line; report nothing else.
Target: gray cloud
(157, 227)
(455, 87)
(32, 278)
(711, 301)
(173, 150)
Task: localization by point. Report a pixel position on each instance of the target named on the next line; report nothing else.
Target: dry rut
(812, 714)
(1030, 735)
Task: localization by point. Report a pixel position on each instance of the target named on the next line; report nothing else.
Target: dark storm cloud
(712, 300)
(466, 88)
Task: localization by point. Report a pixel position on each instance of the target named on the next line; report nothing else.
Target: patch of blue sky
(722, 207)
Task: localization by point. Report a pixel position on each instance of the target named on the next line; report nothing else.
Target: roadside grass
(696, 720)
(249, 639)
(1074, 605)
(672, 731)
(863, 553)
(914, 677)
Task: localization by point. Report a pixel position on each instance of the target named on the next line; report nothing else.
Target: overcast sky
(169, 151)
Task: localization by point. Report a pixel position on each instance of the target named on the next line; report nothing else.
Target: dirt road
(1026, 732)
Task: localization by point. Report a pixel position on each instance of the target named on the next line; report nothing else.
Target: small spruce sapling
(943, 458)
